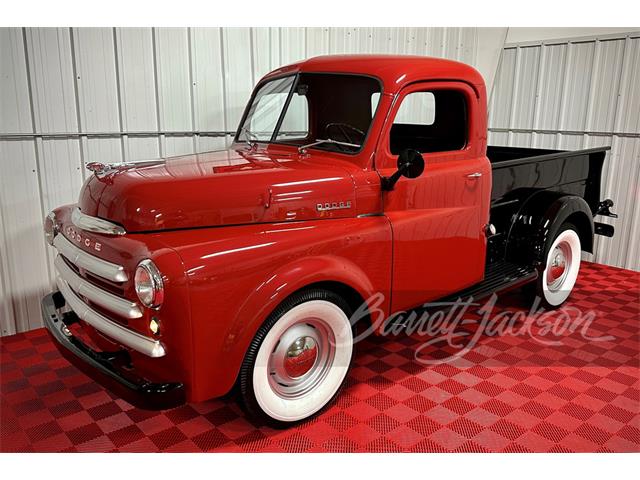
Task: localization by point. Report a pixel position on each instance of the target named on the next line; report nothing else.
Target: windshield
(303, 109)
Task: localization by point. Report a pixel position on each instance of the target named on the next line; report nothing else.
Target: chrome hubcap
(301, 356)
(558, 265)
(301, 359)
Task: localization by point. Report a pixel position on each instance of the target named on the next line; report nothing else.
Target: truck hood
(230, 187)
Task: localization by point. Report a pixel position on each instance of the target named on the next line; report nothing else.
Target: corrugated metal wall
(71, 96)
(573, 94)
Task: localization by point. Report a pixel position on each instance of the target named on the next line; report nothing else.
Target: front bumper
(106, 368)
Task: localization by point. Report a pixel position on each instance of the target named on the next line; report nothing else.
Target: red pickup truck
(349, 177)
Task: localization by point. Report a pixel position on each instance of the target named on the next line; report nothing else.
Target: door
(438, 219)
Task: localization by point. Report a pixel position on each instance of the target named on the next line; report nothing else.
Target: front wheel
(561, 267)
(298, 359)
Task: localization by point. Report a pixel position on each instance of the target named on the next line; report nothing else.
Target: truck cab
(354, 184)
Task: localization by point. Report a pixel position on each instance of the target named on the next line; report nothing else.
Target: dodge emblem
(323, 207)
(83, 240)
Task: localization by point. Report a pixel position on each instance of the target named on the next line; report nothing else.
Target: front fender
(289, 279)
(238, 275)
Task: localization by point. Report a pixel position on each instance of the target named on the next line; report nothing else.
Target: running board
(498, 277)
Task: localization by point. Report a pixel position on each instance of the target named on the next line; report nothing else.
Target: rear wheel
(561, 267)
(298, 359)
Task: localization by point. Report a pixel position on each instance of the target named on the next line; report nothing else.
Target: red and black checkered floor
(510, 393)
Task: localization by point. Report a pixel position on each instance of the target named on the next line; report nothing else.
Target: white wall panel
(96, 79)
(14, 83)
(317, 41)
(208, 81)
(550, 82)
(208, 144)
(137, 79)
(577, 80)
(526, 85)
(436, 42)
(416, 39)
(501, 101)
(292, 45)
(8, 322)
(174, 79)
(52, 79)
(587, 96)
(383, 40)
(545, 140)
(628, 116)
(468, 45)
(141, 148)
(176, 145)
(342, 40)
(605, 83)
(126, 94)
(452, 48)
(24, 263)
(238, 74)
(522, 138)
(103, 150)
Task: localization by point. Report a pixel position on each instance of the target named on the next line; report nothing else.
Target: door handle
(474, 175)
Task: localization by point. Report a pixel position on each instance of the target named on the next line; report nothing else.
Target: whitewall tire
(298, 359)
(561, 267)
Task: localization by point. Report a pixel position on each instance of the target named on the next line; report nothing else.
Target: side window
(430, 121)
(417, 108)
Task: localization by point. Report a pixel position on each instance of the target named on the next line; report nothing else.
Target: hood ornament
(104, 169)
(97, 167)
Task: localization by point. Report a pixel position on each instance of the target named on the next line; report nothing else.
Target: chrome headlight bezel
(148, 284)
(50, 227)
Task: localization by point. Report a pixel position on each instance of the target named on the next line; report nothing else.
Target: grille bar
(95, 265)
(126, 337)
(120, 306)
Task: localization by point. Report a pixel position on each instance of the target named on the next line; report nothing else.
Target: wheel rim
(559, 264)
(561, 267)
(301, 359)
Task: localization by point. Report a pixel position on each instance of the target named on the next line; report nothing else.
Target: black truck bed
(520, 172)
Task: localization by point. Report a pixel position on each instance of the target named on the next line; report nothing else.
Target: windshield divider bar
(285, 108)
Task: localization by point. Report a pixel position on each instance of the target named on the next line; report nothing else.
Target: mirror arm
(389, 182)
(410, 165)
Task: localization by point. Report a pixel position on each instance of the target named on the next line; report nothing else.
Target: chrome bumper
(73, 287)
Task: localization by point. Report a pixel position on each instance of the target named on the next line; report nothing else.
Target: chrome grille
(75, 289)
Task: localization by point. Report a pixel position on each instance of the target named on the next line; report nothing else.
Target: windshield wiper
(303, 148)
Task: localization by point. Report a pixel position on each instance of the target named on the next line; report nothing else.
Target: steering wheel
(342, 129)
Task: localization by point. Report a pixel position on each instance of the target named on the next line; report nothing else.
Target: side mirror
(410, 165)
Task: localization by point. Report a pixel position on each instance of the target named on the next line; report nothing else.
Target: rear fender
(540, 218)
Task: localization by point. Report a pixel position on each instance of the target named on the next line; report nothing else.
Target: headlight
(148, 284)
(50, 228)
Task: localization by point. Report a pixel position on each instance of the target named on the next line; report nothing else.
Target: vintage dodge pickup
(350, 178)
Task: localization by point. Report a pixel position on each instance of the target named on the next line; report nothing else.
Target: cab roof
(395, 71)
